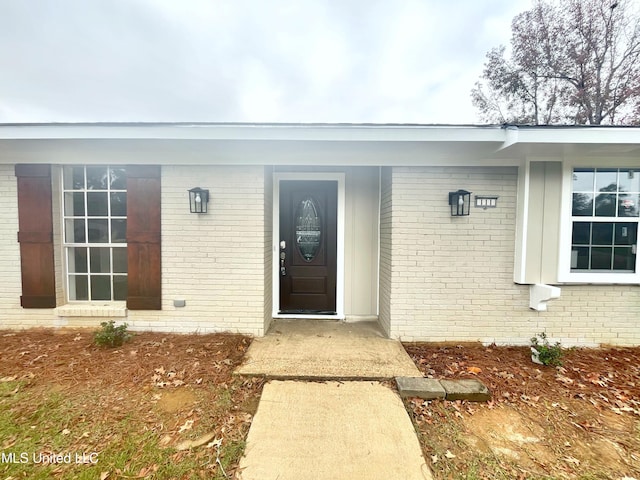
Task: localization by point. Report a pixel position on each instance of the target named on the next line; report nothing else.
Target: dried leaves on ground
(578, 420)
(160, 406)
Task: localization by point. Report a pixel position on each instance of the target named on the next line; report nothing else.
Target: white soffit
(558, 142)
(291, 144)
(248, 144)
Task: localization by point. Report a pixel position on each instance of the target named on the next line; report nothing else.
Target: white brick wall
(56, 212)
(384, 311)
(214, 261)
(9, 248)
(451, 279)
(268, 243)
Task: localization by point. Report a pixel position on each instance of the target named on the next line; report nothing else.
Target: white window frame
(565, 275)
(66, 246)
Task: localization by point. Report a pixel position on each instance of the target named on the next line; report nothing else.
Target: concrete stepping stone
(430, 389)
(471, 390)
(426, 388)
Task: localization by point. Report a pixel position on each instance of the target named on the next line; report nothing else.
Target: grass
(132, 408)
(61, 423)
(480, 464)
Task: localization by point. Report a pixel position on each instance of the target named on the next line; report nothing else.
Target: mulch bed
(584, 413)
(69, 357)
(607, 377)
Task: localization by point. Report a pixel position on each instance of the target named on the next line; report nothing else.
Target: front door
(308, 246)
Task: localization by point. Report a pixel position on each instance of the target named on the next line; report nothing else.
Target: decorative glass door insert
(308, 229)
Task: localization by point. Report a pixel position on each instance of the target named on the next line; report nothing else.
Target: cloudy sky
(379, 61)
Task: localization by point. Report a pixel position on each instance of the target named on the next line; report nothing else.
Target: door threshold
(303, 311)
(313, 316)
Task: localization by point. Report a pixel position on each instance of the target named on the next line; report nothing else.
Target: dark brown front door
(308, 246)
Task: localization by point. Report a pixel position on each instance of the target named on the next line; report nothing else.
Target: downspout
(510, 138)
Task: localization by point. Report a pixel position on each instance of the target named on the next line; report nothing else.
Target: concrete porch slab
(321, 349)
(331, 430)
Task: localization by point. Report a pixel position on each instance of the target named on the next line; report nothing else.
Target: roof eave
(298, 132)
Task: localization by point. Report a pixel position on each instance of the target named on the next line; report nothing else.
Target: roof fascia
(355, 133)
(580, 135)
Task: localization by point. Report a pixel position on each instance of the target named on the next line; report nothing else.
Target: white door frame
(340, 178)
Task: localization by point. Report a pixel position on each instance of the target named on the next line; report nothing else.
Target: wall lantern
(460, 202)
(198, 200)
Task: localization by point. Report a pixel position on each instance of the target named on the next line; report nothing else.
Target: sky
(275, 61)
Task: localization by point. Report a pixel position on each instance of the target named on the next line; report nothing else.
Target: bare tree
(571, 62)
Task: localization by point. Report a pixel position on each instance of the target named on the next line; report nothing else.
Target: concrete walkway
(316, 349)
(331, 431)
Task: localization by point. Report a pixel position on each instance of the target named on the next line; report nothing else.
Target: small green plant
(110, 335)
(546, 353)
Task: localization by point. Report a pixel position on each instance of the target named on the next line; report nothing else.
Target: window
(95, 226)
(604, 220)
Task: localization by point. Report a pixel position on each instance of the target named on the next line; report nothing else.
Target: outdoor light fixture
(460, 202)
(198, 200)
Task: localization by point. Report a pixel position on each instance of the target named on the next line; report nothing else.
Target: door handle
(283, 256)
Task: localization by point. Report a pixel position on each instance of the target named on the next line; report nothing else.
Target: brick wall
(58, 254)
(384, 295)
(596, 314)
(451, 278)
(268, 243)
(213, 261)
(9, 248)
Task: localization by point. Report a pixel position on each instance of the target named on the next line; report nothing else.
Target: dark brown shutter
(35, 234)
(143, 237)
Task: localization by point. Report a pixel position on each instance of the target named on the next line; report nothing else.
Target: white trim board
(330, 176)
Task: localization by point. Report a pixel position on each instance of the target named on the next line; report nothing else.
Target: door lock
(283, 256)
